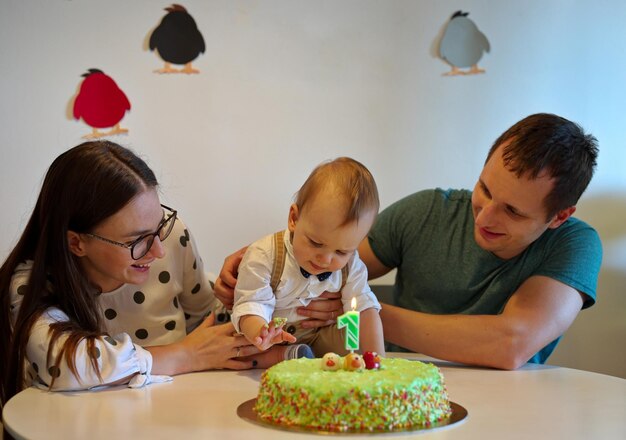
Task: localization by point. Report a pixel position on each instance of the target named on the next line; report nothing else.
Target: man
(492, 277)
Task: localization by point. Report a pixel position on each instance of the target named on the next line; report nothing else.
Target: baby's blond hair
(347, 180)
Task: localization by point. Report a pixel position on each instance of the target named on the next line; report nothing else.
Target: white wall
(287, 84)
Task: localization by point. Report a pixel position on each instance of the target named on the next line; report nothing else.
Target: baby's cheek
(300, 256)
(339, 263)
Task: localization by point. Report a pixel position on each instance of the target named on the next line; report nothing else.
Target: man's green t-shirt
(429, 237)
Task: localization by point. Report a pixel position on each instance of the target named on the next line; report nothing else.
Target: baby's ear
(294, 212)
(76, 244)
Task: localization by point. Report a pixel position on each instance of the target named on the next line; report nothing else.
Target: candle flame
(353, 303)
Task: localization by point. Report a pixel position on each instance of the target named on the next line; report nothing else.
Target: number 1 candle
(350, 320)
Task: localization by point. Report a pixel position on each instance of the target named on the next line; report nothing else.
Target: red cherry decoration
(372, 360)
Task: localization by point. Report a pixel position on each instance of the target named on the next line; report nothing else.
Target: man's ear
(561, 216)
(293, 217)
(76, 244)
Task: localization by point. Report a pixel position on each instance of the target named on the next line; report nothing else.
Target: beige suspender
(279, 263)
(344, 276)
(279, 260)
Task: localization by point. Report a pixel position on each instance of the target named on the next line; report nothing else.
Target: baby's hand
(279, 322)
(273, 334)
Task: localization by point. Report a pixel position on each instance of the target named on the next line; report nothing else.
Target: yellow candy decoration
(353, 362)
(331, 362)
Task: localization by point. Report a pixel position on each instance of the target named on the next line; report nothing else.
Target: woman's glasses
(140, 247)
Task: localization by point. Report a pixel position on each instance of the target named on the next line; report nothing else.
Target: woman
(95, 293)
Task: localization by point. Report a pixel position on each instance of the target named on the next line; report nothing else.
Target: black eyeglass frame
(152, 235)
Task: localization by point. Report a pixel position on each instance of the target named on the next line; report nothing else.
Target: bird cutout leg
(475, 69)
(188, 69)
(167, 68)
(95, 134)
(117, 130)
(455, 71)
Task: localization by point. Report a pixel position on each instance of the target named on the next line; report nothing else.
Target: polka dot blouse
(173, 301)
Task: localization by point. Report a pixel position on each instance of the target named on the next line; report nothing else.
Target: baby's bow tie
(322, 276)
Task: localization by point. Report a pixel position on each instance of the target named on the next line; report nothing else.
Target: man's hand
(322, 311)
(227, 279)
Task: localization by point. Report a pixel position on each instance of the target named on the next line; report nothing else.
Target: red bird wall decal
(177, 40)
(101, 104)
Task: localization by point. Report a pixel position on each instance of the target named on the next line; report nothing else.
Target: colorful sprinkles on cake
(401, 394)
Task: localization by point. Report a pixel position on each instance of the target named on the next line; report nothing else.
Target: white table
(534, 402)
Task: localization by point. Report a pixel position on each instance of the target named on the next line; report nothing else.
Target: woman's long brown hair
(83, 187)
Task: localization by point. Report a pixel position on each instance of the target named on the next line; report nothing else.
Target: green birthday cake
(401, 394)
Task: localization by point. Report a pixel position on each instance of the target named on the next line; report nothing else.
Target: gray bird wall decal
(463, 45)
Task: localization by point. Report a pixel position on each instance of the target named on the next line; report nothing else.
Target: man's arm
(322, 311)
(225, 284)
(537, 313)
(375, 268)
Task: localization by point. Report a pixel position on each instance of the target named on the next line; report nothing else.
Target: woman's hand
(208, 347)
(322, 311)
(217, 346)
(227, 279)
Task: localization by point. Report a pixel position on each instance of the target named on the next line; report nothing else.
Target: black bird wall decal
(177, 40)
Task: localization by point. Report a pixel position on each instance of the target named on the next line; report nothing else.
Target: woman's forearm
(170, 359)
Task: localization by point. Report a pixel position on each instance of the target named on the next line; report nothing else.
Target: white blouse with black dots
(174, 300)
